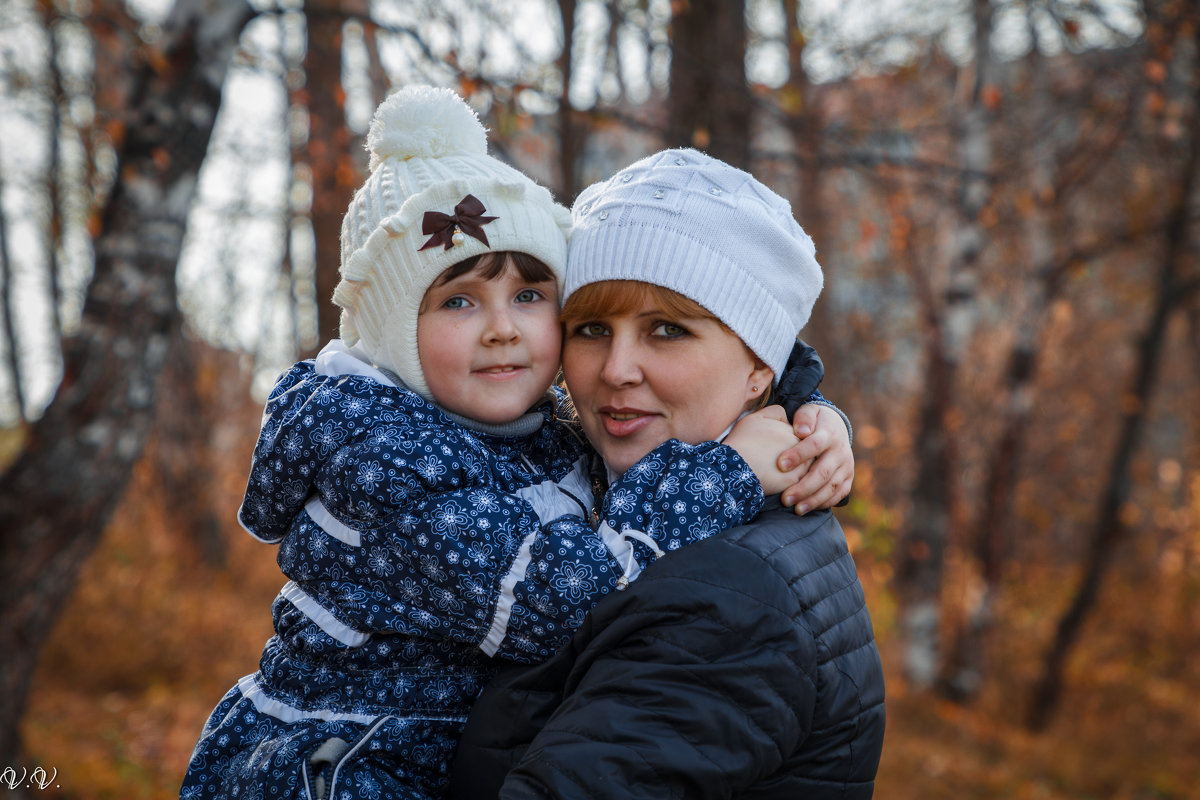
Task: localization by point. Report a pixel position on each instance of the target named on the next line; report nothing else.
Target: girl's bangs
(490, 265)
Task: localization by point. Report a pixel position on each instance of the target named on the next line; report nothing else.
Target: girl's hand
(762, 439)
(823, 457)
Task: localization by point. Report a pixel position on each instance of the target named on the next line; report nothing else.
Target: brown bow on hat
(467, 217)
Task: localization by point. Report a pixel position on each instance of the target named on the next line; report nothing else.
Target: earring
(754, 388)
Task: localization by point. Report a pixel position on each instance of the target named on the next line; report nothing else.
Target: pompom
(424, 122)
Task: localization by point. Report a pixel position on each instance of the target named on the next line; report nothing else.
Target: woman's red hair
(607, 298)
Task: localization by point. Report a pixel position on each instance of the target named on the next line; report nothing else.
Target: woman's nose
(621, 365)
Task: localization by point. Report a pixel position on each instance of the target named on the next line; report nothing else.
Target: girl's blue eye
(528, 296)
(455, 302)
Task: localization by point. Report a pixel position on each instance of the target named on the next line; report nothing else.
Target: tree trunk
(13, 352)
(195, 398)
(57, 497)
(808, 133)
(568, 132)
(953, 316)
(335, 173)
(965, 663)
(709, 105)
(922, 552)
(54, 229)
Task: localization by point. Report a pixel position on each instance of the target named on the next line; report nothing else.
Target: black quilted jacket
(742, 666)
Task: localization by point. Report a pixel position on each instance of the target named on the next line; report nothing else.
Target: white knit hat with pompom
(429, 156)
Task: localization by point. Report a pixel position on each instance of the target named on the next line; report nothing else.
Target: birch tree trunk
(964, 667)
(921, 559)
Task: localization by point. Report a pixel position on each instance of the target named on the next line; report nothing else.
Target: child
(430, 503)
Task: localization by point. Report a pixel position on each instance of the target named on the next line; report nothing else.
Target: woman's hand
(763, 439)
(826, 463)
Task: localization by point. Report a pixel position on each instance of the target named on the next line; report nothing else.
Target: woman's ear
(758, 383)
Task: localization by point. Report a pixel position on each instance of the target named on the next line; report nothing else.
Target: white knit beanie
(434, 198)
(685, 221)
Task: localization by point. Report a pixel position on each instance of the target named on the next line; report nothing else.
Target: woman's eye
(590, 329)
(669, 329)
(529, 296)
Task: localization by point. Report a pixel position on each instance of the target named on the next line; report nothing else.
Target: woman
(744, 665)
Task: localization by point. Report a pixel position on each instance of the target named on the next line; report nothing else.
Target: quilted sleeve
(304, 425)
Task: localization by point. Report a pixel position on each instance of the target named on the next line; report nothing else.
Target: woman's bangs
(614, 298)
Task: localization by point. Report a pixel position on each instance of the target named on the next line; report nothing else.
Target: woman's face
(642, 377)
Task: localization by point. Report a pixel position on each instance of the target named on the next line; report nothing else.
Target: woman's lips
(624, 421)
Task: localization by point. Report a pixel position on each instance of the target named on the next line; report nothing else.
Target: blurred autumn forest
(1003, 198)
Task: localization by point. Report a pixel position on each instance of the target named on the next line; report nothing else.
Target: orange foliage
(991, 97)
(150, 641)
(1127, 730)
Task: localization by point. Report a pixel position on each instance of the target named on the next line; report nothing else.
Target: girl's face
(489, 347)
(643, 376)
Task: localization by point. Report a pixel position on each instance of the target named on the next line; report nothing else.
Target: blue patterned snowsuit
(417, 548)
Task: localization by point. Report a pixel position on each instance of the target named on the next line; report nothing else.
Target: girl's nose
(500, 329)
